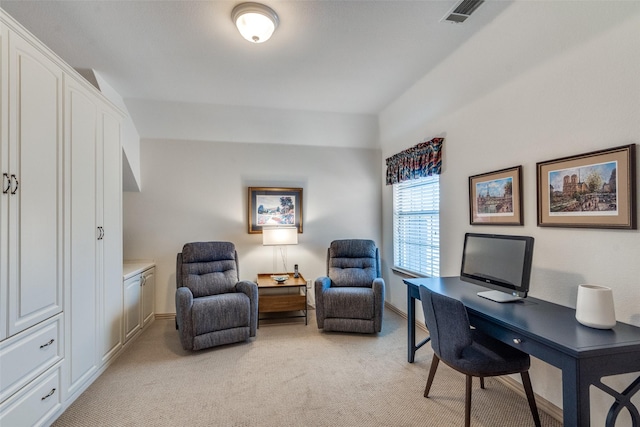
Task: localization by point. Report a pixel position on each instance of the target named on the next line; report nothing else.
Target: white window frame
(416, 226)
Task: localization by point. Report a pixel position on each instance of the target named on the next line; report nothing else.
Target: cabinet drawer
(35, 404)
(28, 354)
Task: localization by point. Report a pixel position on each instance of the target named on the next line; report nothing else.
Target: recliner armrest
(378, 294)
(321, 284)
(250, 289)
(184, 304)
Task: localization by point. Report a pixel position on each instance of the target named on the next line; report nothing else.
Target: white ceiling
(331, 56)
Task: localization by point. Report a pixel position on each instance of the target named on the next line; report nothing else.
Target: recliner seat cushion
(349, 303)
(219, 312)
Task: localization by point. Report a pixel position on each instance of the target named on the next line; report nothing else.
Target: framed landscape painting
(495, 198)
(274, 206)
(592, 190)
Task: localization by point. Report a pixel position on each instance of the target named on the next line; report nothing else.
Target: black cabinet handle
(53, 390)
(7, 180)
(14, 179)
(47, 344)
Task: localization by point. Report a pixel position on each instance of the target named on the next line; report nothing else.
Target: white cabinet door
(132, 295)
(81, 120)
(5, 183)
(110, 327)
(148, 295)
(35, 203)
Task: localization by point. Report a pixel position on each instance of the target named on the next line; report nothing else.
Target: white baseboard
(165, 316)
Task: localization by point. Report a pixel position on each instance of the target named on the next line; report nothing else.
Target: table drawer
(279, 303)
(35, 404)
(28, 354)
(506, 336)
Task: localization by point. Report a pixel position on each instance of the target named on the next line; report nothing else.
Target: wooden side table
(282, 303)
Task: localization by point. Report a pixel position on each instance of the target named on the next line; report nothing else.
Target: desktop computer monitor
(499, 262)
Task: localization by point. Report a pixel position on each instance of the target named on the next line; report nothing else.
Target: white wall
(208, 122)
(197, 191)
(544, 80)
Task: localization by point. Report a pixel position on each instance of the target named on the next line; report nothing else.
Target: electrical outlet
(308, 284)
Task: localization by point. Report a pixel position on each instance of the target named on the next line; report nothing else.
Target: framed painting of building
(591, 190)
(495, 198)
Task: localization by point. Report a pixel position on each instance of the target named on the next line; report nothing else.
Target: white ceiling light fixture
(256, 22)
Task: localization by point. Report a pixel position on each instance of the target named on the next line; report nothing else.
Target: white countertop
(131, 268)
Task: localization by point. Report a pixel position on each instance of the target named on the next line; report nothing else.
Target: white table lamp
(279, 238)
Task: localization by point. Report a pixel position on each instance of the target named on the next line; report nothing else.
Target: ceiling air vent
(461, 11)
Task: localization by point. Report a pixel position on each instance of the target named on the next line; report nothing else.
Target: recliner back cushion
(353, 263)
(209, 268)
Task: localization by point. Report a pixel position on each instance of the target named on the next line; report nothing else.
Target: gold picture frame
(495, 198)
(590, 190)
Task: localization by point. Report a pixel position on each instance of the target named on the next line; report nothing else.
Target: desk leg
(575, 397)
(411, 326)
(623, 401)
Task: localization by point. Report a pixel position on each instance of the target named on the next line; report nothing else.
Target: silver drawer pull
(53, 390)
(47, 344)
(517, 340)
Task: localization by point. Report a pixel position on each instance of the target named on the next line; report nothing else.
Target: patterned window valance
(424, 159)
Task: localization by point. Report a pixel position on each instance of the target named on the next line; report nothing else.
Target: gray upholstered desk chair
(469, 351)
(212, 306)
(351, 297)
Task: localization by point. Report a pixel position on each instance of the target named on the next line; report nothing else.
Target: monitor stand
(498, 296)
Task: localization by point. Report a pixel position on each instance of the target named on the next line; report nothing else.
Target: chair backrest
(353, 262)
(208, 268)
(448, 324)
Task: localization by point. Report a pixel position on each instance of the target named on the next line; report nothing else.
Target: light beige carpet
(289, 375)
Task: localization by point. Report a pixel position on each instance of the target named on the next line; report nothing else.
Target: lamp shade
(256, 22)
(276, 236)
(594, 307)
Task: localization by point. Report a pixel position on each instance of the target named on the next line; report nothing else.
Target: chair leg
(432, 373)
(526, 382)
(467, 402)
(482, 383)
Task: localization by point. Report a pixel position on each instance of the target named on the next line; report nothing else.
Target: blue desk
(551, 333)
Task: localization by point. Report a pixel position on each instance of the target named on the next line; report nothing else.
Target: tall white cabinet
(32, 159)
(61, 294)
(110, 296)
(92, 146)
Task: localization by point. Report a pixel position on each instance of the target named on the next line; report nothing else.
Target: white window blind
(416, 226)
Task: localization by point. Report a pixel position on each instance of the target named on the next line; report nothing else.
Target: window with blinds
(416, 226)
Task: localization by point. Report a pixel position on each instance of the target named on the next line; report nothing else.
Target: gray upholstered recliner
(351, 297)
(212, 306)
